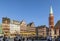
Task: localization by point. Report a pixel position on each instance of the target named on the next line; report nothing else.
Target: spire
(51, 10)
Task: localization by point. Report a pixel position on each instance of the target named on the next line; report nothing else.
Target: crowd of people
(19, 38)
(49, 38)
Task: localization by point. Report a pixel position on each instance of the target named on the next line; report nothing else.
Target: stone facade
(54, 30)
(6, 26)
(57, 29)
(42, 31)
(31, 29)
(13, 27)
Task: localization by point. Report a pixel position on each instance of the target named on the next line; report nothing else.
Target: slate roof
(57, 25)
(30, 24)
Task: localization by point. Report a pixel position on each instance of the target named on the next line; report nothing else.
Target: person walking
(32, 39)
(23, 39)
(19, 39)
(50, 38)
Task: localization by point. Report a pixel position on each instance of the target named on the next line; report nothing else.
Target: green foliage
(1, 29)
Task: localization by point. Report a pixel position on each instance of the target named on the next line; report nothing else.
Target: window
(54, 31)
(59, 31)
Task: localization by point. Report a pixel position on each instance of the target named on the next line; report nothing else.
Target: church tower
(51, 18)
(51, 23)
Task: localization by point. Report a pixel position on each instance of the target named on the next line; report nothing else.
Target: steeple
(51, 18)
(51, 10)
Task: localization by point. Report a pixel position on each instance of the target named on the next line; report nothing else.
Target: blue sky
(30, 10)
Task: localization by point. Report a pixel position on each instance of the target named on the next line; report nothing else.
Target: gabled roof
(57, 25)
(22, 22)
(42, 26)
(30, 24)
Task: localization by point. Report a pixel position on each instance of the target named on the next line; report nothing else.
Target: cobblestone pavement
(40, 40)
(11, 39)
(28, 40)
